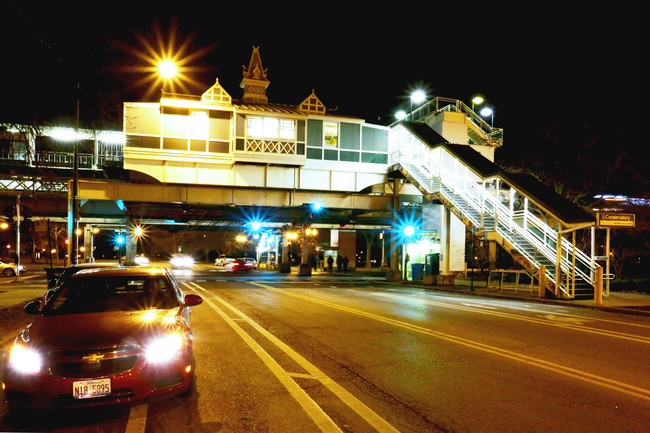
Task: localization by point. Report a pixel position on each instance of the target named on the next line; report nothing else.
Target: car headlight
(164, 349)
(24, 359)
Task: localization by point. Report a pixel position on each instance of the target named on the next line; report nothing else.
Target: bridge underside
(225, 207)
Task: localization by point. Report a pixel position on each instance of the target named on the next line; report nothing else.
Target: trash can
(432, 264)
(417, 270)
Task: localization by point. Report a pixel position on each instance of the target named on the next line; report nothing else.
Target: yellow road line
(314, 411)
(566, 325)
(535, 362)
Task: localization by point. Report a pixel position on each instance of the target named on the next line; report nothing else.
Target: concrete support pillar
(304, 268)
(394, 273)
(541, 290)
(598, 292)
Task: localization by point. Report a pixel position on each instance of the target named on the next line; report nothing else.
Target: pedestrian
(345, 263)
(339, 263)
(330, 262)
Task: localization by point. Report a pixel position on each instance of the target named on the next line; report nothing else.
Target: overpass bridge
(213, 161)
(525, 217)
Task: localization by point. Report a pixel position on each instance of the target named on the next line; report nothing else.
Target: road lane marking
(314, 411)
(567, 324)
(137, 419)
(615, 385)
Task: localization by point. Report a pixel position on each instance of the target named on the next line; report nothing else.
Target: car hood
(97, 330)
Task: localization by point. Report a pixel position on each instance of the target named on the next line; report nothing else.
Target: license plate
(91, 388)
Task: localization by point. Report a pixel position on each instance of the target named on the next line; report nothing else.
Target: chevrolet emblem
(95, 357)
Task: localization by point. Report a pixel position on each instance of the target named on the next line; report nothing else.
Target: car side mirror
(33, 307)
(192, 299)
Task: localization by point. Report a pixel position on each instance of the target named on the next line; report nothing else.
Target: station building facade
(213, 139)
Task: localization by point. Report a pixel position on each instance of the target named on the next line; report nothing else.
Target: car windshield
(94, 294)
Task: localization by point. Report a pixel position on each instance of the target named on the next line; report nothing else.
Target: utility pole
(18, 280)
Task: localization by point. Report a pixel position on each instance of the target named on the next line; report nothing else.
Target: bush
(630, 285)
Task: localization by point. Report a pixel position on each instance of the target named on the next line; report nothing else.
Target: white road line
(315, 412)
(137, 419)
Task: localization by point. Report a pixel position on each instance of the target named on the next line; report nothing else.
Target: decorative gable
(216, 95)
(312, 104)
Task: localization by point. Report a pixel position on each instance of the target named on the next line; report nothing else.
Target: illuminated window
(199, 125)
(331, 134)
(270, 127)
(287, 129)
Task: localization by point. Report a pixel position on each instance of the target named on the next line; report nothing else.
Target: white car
(9, 269)
(181, 261)
(222, 260)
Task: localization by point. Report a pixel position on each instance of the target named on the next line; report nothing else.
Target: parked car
(107, 336)
(56, 276)
(9, 269)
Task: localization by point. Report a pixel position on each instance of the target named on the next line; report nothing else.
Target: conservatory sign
(615, 219)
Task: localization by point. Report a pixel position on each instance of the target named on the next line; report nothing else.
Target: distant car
(238, 265)
(107, 337)
(9, 269)
(250, 262)
(222, 260)
(181, 261)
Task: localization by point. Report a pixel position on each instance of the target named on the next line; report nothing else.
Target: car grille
(94, 363)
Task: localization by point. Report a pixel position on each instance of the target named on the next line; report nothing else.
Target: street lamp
(488, 112)
(478, 100)
(167, 69)
(417, 97)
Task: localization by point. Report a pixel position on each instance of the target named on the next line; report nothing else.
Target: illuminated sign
(615, 219)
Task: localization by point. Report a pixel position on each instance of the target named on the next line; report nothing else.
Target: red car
(239, 265)
(106, 336)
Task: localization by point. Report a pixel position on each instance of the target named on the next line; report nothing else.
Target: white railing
(467, 192)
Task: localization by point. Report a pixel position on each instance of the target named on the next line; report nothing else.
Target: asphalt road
(278, 355)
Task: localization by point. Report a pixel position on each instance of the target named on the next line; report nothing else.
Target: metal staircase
(482, 195)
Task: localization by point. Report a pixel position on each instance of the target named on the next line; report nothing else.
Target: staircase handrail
(439, 104)
(469, 198)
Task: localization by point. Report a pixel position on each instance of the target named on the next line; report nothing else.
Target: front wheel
(9, 272)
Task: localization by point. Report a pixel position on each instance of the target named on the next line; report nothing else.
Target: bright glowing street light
(418, 97)
(400, 115)
(478, 100)
(488, 112)
(167, 69)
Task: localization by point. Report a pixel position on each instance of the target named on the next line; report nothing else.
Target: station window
(331, 134)
(199, 125)
(270, 127)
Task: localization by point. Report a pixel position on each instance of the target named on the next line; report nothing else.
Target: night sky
(536, 64)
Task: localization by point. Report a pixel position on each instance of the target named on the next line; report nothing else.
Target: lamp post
(418, 97)
(487, 111)
(408, 231)
(478, 100)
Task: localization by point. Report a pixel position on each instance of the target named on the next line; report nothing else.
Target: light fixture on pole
(417, 97)
(488, 112)
(478, 100)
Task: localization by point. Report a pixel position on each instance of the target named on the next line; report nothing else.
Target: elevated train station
(212, 161)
